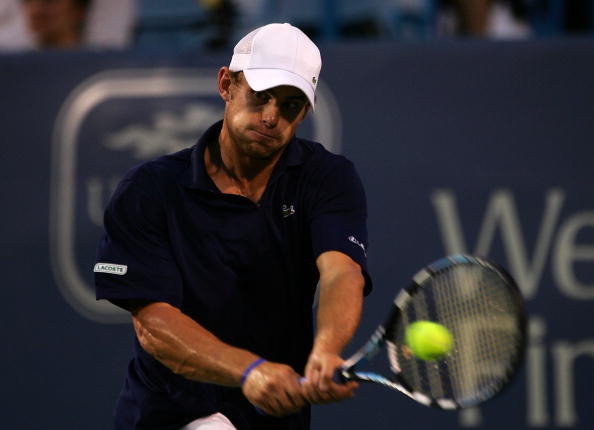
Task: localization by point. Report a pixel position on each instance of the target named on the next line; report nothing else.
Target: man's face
(261, 123)
(53, 21)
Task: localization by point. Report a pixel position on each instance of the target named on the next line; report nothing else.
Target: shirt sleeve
(134, 258)
(339, 216)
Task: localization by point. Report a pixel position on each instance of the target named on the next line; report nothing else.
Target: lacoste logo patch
(288, 210)
(114, 269)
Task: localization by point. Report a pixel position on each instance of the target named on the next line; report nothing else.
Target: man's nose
(270, 114)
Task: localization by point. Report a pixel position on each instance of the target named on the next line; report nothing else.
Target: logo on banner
(112, 122)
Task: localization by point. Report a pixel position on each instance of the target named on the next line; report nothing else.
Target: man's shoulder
(318, 163)
(322, 172)
(166, 169)
(315, 155)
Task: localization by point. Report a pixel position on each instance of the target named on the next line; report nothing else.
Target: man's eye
(296, 106)
(261, 95)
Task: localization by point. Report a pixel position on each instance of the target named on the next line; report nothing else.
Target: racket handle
(339, 377)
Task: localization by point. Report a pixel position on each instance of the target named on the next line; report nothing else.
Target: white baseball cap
(278, 54)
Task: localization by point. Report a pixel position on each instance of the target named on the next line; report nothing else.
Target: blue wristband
(251, 367)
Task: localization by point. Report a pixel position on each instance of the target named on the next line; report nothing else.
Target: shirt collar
(197, 178)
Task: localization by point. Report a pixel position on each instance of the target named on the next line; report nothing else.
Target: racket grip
(338, 377)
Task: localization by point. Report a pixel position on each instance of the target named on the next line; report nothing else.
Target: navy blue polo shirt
(244, 271)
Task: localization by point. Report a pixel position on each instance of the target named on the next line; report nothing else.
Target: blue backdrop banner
(476, 147)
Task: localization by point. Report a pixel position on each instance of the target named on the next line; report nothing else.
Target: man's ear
(224, 83)
(305, 111)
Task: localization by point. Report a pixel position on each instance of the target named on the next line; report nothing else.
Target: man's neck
(237, 173)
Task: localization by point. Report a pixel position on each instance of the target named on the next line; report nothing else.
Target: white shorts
(216, 421)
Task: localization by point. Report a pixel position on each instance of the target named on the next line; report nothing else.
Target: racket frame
(379, 339)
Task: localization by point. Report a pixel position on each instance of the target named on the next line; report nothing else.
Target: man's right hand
(275, 389)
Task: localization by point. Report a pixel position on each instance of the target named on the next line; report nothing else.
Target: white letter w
(501, 212)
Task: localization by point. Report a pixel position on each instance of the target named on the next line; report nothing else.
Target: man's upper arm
(339, 218)
(136, 239)
(333, 264)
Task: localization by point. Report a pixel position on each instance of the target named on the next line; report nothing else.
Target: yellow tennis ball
(428, 340)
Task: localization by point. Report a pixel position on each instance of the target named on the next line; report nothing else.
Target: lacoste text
(114, 269)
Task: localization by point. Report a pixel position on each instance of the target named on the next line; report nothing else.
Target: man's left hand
(318, 384)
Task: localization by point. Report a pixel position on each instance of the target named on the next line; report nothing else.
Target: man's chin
(263, 151)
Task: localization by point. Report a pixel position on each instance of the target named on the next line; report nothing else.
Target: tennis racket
(480, 304)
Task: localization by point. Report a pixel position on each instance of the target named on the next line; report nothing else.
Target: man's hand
(341, 297)
(275, 389)
(318, 384)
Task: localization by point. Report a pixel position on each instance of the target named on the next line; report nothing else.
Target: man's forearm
(339, 312)
(187, 348)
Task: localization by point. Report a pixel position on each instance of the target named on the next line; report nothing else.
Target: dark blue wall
(477, 146)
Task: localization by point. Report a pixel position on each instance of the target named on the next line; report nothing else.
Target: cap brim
(263, 79)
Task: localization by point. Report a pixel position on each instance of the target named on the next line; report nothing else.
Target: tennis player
(217, 250)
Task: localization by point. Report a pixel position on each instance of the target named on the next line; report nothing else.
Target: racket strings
(476, 305)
